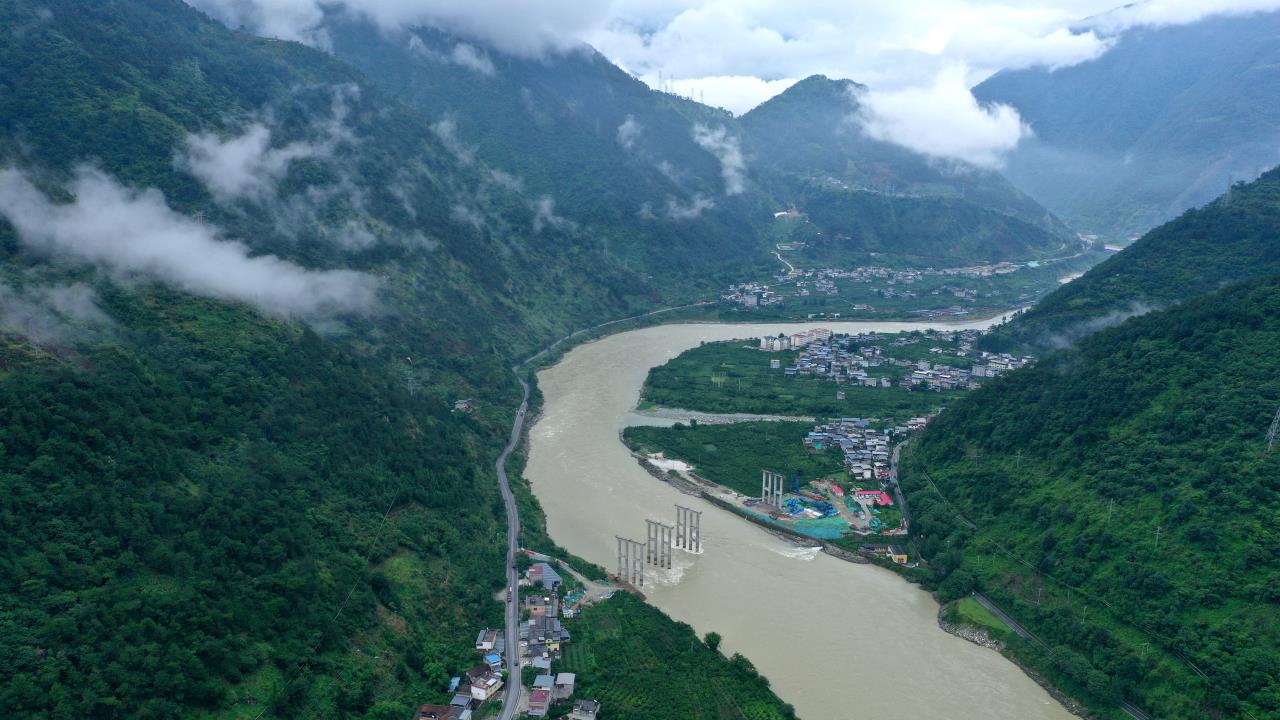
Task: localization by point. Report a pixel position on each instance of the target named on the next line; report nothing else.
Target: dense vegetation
(733, 455)
(811, 132)
(943, 231)
(1163, 121)
(640, 665)
(1231, 239)
(1119, 498)
(206, 512)
(242, 518)
(734, 377)
(623, 158)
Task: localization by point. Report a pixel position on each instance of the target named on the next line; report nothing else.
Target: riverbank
(745, 585)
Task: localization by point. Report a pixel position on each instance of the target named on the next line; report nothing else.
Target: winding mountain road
(511, 699)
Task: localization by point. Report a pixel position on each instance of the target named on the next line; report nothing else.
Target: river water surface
(837, 640)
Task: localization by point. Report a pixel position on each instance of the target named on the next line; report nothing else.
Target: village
(865, 499)
(854, 360)
(860, 501)
(885, 282)
(543, 637)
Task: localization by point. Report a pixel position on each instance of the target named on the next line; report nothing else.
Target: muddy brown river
(836, 640)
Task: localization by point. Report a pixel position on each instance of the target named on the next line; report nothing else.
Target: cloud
(727, 149)
(520, 27)
(943, 120)
(53, 314)
(1171, 12)
(297, 20)
(1072, 334)
(691, 211)
(446, 130)
(544, 215)
(466, 215)
(1002, 47)
(128, 232)
(462, 54)
(738, 52)
(735, 93)
(469, 57)
(246, 166)
(629, 132)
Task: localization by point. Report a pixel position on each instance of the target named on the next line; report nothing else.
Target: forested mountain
(1234, 238)
(654, 176)
(1120, 499)
(866, 196)
(1161, 122)
(240, 288)
(811, 132)
(662, 177)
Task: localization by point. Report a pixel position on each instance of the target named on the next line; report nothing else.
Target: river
(836, 640)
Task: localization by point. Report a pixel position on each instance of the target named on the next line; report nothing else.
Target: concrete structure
(564, 686)
(688, 529)
(657, 549)
(630, 561)
(585, 710)
(539, 702)
(486, 687)
(771, 488)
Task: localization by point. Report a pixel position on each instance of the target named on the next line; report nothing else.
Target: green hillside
(1233, 238)
(640, 664)
(222, 498)
(1120, 500)
(811, 131)
(624, 159)
(614, 155)
(1161, 122)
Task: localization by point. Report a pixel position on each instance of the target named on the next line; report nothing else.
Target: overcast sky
(919, 57)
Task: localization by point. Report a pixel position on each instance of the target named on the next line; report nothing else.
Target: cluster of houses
(542, 638)
(852, 360)
(479, 685)
(780, 342)
(751, 295)
(841, 360)
(865, 450)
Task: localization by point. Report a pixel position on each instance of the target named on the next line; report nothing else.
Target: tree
(712, 639)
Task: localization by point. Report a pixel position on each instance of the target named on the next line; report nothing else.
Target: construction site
(826, 509)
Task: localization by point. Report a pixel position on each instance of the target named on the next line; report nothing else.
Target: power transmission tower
(1275, 427)
(1157, 537)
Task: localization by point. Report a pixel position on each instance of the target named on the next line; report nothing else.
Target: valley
(744, 584)
(608, 361)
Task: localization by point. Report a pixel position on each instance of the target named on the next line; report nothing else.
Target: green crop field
(630, 657)
(733, 455)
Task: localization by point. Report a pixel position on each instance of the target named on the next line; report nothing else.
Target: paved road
(511, 700)
(1128, 708)
(1004, 618)
(1134, 712)
(897, 489)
